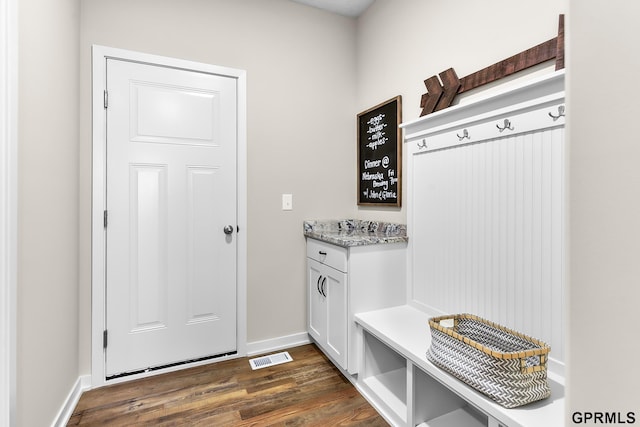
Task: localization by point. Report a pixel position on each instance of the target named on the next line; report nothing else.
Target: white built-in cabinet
(327, 279)
(343, 281)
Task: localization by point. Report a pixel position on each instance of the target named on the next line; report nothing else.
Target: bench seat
(405, 330)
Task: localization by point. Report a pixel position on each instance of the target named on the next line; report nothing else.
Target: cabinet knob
(322, 253)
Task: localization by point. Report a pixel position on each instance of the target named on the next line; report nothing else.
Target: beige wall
(402, 43)
(47, 315)
(300, 66)
(603, 65)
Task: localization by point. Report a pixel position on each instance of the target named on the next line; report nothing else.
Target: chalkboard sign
(380, 154)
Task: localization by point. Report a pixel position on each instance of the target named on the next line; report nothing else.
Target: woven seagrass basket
(507, 366)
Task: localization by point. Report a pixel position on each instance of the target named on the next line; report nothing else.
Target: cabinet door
(317, 326)
(335, 288)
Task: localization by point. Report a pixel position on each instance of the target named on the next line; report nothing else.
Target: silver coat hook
(423, 143)
(465, 134)
(507, 125)
(560, 113)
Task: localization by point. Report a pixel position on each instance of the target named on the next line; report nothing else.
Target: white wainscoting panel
(487, 223)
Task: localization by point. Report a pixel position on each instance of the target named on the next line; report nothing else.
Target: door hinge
(104, 338)
(105, 218)
(106, 99)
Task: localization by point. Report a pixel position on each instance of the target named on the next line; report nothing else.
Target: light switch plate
(287, 202)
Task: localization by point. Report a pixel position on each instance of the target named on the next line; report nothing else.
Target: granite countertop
(354, 232)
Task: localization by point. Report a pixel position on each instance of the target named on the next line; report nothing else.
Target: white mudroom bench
(486, 203)
(408, 390)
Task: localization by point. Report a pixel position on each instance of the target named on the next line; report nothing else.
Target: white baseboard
(280, 343)
(82, 383)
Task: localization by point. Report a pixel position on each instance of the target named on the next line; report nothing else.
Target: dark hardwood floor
(309, 391)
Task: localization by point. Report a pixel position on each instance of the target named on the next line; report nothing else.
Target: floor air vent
(271, 360)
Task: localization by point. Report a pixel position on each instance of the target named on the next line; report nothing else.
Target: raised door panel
(164, 113)
(148, 253)
(204, 256)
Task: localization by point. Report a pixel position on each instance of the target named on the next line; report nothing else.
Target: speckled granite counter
(354, 232)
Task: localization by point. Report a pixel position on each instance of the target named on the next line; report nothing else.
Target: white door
(170, 193)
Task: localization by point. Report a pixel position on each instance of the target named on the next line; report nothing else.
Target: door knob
(228, 229)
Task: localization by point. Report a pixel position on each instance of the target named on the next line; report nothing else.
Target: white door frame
(98, 291)
(8, 207)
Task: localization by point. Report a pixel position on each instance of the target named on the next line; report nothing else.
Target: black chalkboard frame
(393, 150)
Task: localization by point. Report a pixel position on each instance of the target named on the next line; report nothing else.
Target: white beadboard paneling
(489, 233)
(486, 219)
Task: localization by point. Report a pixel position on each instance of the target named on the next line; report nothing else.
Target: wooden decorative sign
(441, 91)
(380, 154)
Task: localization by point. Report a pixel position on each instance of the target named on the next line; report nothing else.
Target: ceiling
(351, 8)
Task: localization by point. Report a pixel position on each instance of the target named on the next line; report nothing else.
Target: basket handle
(541, 366)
